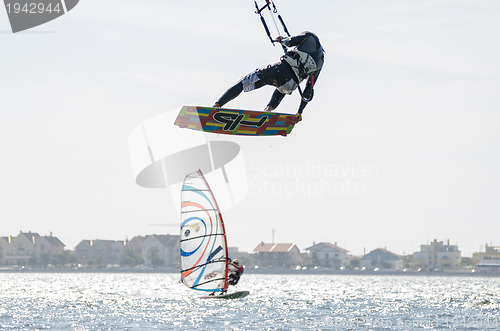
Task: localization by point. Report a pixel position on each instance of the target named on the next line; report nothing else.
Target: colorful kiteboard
(233, 121)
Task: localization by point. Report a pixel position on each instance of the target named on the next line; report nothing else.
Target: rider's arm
(308, 91)
(295, 40)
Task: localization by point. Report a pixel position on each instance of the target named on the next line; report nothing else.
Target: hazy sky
(400, 145)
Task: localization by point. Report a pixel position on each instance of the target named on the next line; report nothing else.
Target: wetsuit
(303, 62)
(235, 275)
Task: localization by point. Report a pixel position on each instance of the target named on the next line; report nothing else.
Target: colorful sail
(204, 264)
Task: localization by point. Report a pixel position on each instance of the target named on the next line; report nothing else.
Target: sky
(399, 146)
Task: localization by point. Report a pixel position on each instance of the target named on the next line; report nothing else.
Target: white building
(278, 255)
(437, 256)
(490, 255)
(487, 261)
(381, 258)
(328, 255)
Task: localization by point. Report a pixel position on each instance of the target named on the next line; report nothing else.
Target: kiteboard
(236, 122)
(234, 295)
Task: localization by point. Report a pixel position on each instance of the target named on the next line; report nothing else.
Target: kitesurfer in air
(302, 62)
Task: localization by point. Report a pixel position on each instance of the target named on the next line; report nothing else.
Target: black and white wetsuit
(302, 62)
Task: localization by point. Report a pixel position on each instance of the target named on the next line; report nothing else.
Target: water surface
(108, 301)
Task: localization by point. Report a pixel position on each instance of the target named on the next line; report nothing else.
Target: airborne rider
(303, 62)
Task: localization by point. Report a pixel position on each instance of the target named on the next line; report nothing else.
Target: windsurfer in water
(235, 271)
(303, 62)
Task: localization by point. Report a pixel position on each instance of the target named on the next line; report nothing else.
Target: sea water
(117, 301)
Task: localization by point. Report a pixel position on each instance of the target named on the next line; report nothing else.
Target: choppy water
(158, 301)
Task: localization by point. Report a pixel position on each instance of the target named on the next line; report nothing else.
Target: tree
(64, 258)
(355, 262)
(44, 259)
(154, 257)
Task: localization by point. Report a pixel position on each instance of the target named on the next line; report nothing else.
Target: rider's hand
(279, 39)
(298, 118)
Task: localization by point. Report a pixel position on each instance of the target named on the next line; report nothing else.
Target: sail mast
(226, 284)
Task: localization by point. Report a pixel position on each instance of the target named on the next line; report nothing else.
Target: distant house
(83, 252)
(381, 258)
(116, 248)
(29, 248)
(22, 248)
(99, 252)
(152, 250)
(278, 255)
(4, 247)
(437, 256)
(135, 243)
(234, 253)
(487, 262)
(329, 255)
(491, 255)
(132, 255)
(47, 247)
(161, 250)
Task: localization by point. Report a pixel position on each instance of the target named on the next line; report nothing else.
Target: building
(22, 249)
(328, 255)
(381, 258)
(437, 256)
(99, 252)
(116, 248)
(234, 253)
(132, 254)
(161, 250)
(29, 248)
(156, 250)
(488, 261)
(491, 255)
(278, 255)
(4, 246)
(47, 247)
(135, 244)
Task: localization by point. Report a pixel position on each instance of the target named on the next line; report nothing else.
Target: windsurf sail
(204, 262)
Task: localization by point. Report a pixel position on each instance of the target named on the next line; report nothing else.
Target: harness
(302, 64)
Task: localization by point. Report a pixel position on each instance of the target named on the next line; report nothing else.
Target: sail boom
(214, 280)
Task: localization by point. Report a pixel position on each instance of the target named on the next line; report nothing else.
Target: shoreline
(260, 271)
